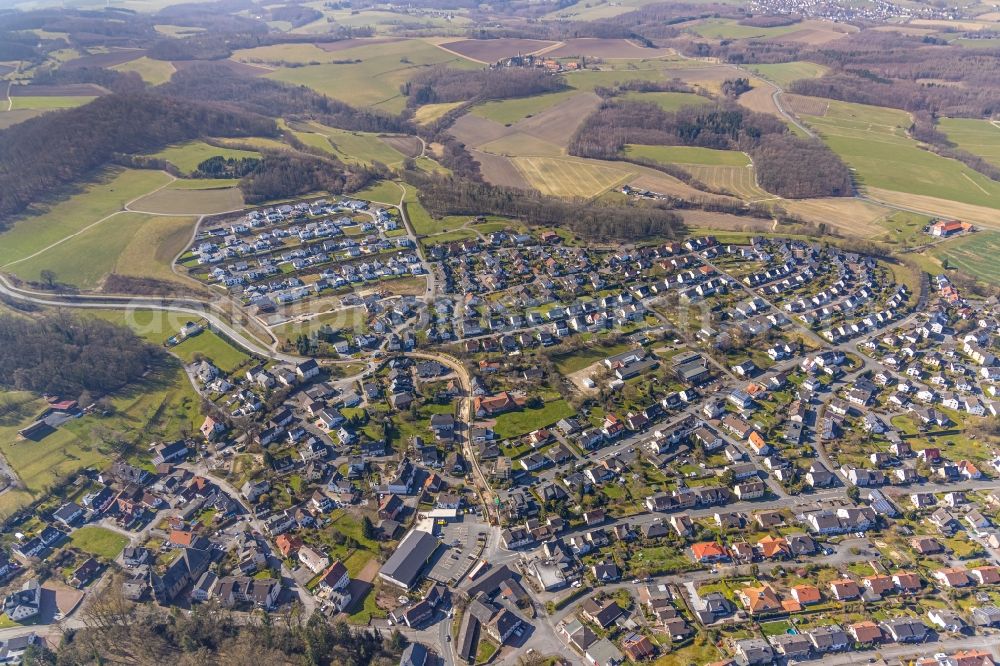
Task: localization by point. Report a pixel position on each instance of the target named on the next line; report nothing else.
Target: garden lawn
(98, 541)
(523, 421)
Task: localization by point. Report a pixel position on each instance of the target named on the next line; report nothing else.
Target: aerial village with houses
(756, 452)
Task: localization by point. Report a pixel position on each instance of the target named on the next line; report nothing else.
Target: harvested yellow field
(736, 180)
(520, 144)
(984, 217)
(428, 113)
(570, 177)
(850, 216)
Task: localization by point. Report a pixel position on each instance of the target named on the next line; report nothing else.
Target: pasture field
(152, 71)
(151, 251)
(98, 541)
(429, 113)
(668, 101)
(187, 156)
(171, 30)
(254, 143)
(603, 9)
(904, 229)
(570, 177)
(49, 103)
(786, 72)
(293, 53)
(979, 137)
(128, 241)
(385, 191)
(731, 29)
(159, 408)
(33, 233)
(358, 147)
(211, 346)
(873, 142)
(991, 43)
(975, 255)
(510, 111)
(202, 183)
(376, 79)
(688, 155)
(191, 201)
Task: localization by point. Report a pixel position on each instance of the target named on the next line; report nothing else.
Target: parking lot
(462, 540)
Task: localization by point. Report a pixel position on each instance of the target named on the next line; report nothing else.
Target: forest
(66, 355)
(786, 165)
(281, 175)
(45, 154)
(120, 632)
(596, 221)
(443, 84)
(218, 83)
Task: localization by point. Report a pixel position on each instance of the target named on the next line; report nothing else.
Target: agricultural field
(187, 156)
(372, 82)
(731, 29)
(522, 144)
(786, 72)
(152, 71)
(128, 243)
(595, 47)
(873, 142)
(491, 50)
(688, 155)
(428, 113)
(510, 111)
(570, 177)
(976, 255)
(49, 103)
(204, 201)
(979, 137)
(668, 101)
(30, 234)
(738, 181)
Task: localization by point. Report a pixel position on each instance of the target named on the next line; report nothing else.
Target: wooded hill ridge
(786, 165)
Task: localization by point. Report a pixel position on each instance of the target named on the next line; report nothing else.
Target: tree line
(217, 82)
(786, 165)
(445, 84)
(285, 174)
(117, 631)
(66, 355)
(592, 220)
